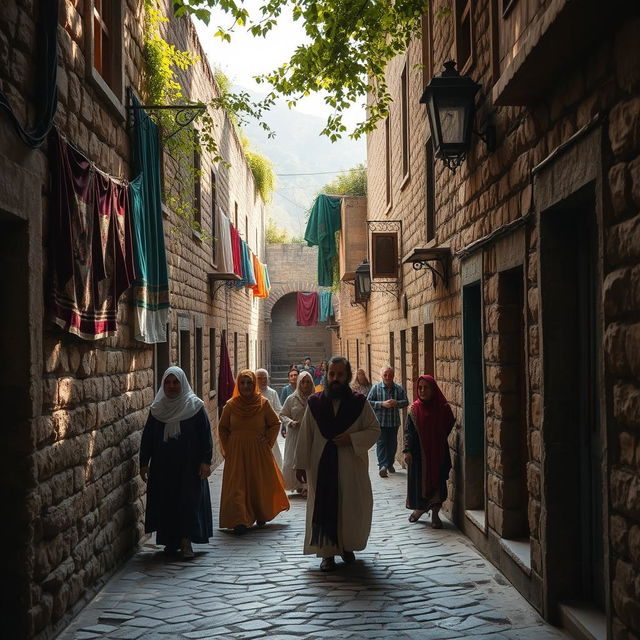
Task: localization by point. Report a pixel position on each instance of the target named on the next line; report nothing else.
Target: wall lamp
(450, 100)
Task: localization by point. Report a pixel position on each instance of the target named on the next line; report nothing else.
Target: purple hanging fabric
(225, 375)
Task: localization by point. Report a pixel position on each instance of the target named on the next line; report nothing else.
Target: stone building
(533, 333)
(74, 409)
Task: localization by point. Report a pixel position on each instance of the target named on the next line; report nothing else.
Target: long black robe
(178, 501)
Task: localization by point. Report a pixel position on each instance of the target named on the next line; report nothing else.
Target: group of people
(328, 434)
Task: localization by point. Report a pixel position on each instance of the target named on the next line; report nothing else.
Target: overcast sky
(246, 56)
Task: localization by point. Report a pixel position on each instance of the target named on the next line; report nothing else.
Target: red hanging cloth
(307, 308)
(237, 251)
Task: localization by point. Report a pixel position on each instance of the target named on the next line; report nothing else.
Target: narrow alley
(411, 582)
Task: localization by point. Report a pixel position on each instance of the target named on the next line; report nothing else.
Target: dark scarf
(325, 509)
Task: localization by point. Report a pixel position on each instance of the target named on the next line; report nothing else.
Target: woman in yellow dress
(252, 484)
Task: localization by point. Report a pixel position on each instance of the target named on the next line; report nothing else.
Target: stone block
(533, 515)
(634, 179)
(627, 447)
(626, 404)
(625, 492)
(70, 392)
(534, 480)
(536, 557)
(619, 188)
(618, 534)
(624, 127)
(634, 544)
(621, 291)
(627, 56)
(535, 445)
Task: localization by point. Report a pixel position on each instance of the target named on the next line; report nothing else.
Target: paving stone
(411, 582)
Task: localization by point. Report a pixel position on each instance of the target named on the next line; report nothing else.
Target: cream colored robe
(355, 497)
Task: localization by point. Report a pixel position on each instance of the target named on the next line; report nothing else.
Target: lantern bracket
(423, 259)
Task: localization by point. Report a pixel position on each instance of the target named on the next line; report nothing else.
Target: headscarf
(357, 386)
(434, 421)
(172, 411)
(298, 392)
(324, 523)
(246, 407)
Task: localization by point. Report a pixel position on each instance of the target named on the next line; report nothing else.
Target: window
(464, 36)
(104, 26)
(214, 212)
(427, 47)
(429, 191)
(213, 361)
(246, 348)
(369, 361)
(429, 351)
(197, 183)
(415, 360)
(198, 359)
(387, 166)
(235, 353)
(392, 350)
(246, 229)
(162, 357)
(384, 249)
(235, 207)
(404, 114)
(185, 352)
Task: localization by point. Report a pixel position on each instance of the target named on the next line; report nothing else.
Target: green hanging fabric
(151, 288)
(323, 223)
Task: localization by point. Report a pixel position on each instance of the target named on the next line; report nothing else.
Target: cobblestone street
(410, 582)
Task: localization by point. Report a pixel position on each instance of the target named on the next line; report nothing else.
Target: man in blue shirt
(387, 398)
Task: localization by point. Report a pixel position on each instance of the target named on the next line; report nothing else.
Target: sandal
(416, 515)
(328, 564)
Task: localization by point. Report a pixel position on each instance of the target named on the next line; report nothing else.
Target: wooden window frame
(107, 78)
(429, 193)
(214, 215)
(404, 122)
(376, 272)
(387, 168)
(427, 47)
(464, 10)
(197, 180)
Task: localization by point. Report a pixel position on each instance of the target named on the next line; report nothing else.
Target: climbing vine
(162, 64)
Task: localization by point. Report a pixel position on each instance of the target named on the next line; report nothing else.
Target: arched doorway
(291, 343)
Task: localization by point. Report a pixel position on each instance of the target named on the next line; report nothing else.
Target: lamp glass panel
(452, 123)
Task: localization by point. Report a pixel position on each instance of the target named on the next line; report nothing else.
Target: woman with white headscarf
(175, 461)
(291, 415)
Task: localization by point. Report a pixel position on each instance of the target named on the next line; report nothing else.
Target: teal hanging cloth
(323, 223)
(326, 308)
(151, 287)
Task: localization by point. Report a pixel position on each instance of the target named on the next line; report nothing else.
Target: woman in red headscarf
(426, 450)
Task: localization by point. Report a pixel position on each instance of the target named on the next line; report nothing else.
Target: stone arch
(283, 288)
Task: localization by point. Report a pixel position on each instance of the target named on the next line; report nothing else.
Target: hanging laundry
(248, 274)
(90, 244)
(260, 290)
(321, 229)
(307, 309)
(224, 250)
(326, 306)
(226, 382)
(236, 248)
(151, 288)
(267, 281)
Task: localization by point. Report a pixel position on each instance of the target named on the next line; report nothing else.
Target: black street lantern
(450, 100)
(363, 282)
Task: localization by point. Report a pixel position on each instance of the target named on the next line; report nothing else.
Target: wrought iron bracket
(219, 280)
(183, 116)
(423, 259)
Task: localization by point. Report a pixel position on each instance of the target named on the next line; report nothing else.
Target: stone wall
(69, 476)
(592, 100)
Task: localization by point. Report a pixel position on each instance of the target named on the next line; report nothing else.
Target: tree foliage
(351, 183)
(275, 234)
(349, 43)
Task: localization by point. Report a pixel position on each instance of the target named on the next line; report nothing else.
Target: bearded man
(332, 456)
